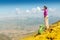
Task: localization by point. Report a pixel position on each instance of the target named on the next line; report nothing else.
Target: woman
(46, 17)
(42, 27)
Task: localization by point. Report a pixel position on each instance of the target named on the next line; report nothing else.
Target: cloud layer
(34, 10)
(52, 9)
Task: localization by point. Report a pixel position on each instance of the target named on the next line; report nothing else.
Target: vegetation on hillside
(53, 33)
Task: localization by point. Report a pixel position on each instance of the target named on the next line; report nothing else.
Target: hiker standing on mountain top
(46, 17)
(42, 27)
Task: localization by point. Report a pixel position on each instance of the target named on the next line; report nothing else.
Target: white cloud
(38, 9)
(52, 9)
(34, 10)
(18, 11)
(27, 11)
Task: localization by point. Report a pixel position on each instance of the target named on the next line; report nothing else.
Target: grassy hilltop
(53, 33)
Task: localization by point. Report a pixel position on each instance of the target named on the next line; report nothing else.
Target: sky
(28, 8)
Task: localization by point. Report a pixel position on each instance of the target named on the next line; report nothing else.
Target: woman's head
(45, 7)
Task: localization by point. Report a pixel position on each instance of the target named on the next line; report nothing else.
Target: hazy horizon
(27, 12)
(28, 8)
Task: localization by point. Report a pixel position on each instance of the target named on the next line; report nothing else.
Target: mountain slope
(53, 33)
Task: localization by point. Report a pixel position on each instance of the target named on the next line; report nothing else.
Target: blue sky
(25, 8)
